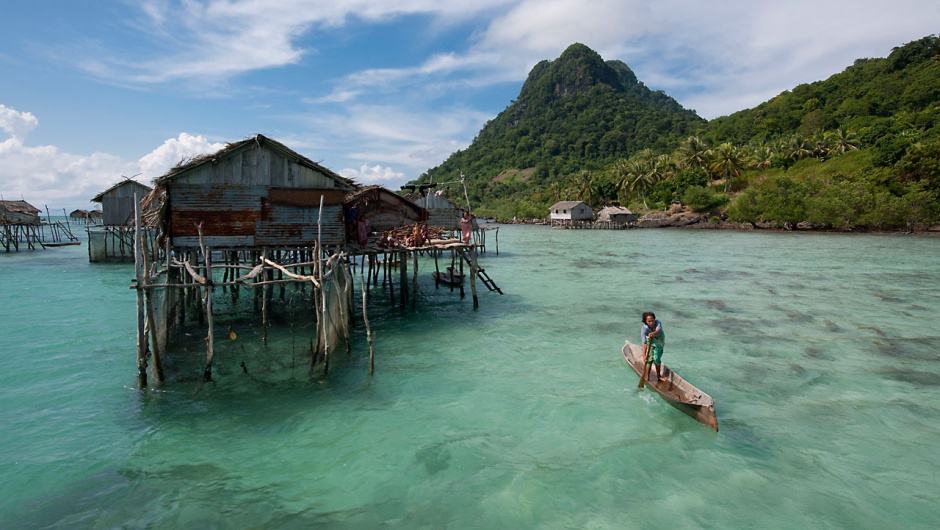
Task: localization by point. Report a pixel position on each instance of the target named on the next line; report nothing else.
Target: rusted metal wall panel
(252, 215)
(285, 225)
(215, 241)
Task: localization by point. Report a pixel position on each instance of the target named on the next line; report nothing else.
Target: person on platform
(466, 227)
(652, 333)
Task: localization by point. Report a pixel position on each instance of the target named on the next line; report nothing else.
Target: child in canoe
(652, 332)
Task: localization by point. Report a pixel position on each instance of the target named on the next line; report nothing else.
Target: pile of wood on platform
(417, 235)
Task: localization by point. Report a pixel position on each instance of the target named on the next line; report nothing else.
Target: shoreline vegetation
(857, 152)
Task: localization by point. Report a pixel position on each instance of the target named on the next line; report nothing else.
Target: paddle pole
(646, 367)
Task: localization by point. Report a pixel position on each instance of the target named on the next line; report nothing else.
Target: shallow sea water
(821, 351)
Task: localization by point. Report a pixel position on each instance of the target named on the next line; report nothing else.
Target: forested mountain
(575, 113)
(859, 149)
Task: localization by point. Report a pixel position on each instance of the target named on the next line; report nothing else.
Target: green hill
(859, 149)
(575, 113)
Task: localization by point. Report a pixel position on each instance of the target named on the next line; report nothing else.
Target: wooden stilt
(403, 279)
(365, 320)
(473, 278)
(141, 332)
(154, 347)
(264, 301)
(414, 280)
(461, 276)
(437, 270)
(210, 336)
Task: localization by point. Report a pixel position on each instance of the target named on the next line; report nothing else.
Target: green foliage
(702, 199)
(859, 149)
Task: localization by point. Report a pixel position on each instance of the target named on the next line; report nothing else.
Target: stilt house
(112, 239)
(567, 212)
(18, 213)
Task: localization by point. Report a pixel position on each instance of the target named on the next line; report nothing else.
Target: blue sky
(379, 91)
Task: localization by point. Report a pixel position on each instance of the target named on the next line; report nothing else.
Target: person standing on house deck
(652, 333)
(466, 227)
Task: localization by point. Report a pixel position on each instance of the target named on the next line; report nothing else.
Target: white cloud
(408, 138)
(376, 174)
(216, 39)
(16, 124)
(45, 174)
(717, 57)
(173, 151)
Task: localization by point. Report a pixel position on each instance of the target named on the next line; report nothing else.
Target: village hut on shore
(95, 216)
(615, 216)
(112, 239)
(566, 213)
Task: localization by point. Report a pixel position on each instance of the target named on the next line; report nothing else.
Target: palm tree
(842, 141)
(693, 153)
(727, 163)
(798, 147)
(585, 187)
(761, 156)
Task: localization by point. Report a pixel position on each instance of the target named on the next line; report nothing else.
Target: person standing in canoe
(652, 333)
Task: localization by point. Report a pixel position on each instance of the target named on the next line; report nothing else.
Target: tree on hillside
(842, 141)
(693, 153)
(727, 163)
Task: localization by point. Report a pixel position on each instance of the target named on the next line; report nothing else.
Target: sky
(377, 91)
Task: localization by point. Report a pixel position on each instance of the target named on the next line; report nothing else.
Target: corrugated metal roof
(125, 182)
(565, 205)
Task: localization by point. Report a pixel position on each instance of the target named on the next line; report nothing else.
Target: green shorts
(655, 353)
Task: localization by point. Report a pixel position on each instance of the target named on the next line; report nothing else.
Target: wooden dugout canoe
(448, 278)
(678, 392)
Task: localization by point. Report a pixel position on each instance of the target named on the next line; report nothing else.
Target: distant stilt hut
(18, 213)
(615, 217)
(570, 213)
(112, 240)
(79, 215)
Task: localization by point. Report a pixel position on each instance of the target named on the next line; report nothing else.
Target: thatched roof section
(19, 207)
(126, 181)
(258, 139)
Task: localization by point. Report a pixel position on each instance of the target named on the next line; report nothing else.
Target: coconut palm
(842, 141)
(727, 163)
(761, 156)
(798, 147)
(693, 153)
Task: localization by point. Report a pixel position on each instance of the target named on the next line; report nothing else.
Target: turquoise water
(820, 350)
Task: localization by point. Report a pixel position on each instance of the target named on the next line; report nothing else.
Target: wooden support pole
(414, 280)
(437, 270)
(461, 274)
(365, 320)
(264, 301)
(151, 324)
(473, 278)
(210, 336)
(497, 241)
(139, 273)
(403, 279)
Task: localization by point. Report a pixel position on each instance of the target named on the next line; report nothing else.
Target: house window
(564, 211)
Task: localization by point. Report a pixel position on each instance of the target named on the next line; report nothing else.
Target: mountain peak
(578, 70)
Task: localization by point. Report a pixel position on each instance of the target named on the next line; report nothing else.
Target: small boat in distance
(678, 392)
